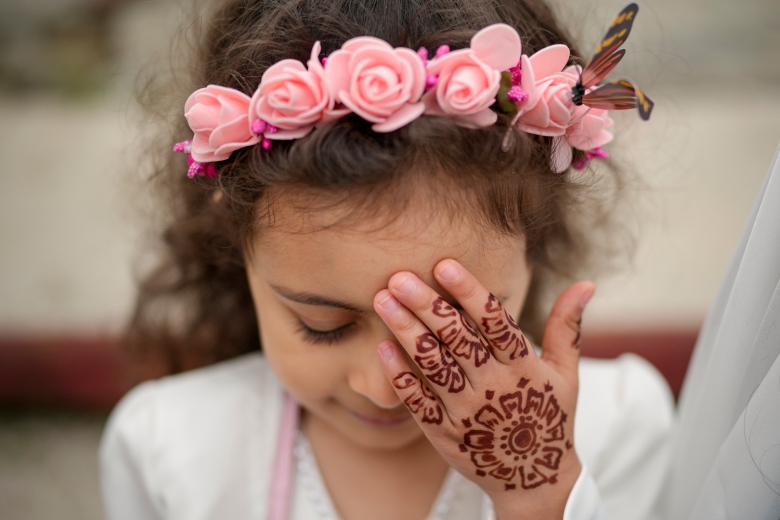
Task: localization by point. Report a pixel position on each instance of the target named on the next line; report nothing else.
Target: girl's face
(313, 291)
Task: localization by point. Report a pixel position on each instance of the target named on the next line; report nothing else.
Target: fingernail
(390, 304)
(387, 351)
(449, 273)
(407, 286)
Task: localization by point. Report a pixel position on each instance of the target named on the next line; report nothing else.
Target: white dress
(726, 463)
(200, 445)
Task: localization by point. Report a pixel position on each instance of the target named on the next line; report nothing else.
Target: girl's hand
(498, 413)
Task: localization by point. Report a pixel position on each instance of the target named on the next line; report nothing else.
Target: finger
(451, 328)
(561, 342)
(421, 401)
(494, 322)
(435, 361)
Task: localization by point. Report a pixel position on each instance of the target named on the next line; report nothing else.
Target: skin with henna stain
(513, 427)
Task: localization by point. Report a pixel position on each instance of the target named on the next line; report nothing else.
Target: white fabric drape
(726, 452)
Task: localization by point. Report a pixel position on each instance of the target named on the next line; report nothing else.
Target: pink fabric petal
(561, 155)
(437, 65)
(365, 56)
(281, 67)
(559, 109)
(405, 115)
(591, 132)
(332, 115)
(356, 108)
(379, 84)
(236, 131)
(202, 150)
(314, 64)
(497, 45)
(548, 131)
(202, 117)
(206, 157)
(470, 82)
(210, 91)
(231, 109)
(479, 119)
(528, 83)
(361, 42)
(416, 72)
(224, 151)
(549, 60)
(337, 73)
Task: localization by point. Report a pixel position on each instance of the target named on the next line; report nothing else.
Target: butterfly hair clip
(618, 94)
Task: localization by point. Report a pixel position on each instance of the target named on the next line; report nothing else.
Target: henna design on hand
(438, 365)
(421, 399)
(520, 439)
(502, 331)
(459, 337)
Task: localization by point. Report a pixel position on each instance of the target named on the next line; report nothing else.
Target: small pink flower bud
(441, 51)
(259, 126)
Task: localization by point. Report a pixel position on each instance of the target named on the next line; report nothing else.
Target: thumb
(561, 342)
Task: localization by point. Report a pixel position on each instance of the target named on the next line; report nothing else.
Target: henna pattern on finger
(459, 336)
(502, 331)
(438, 365)
(520, 439)
(577, 340)
(443, 309)
(421, 400)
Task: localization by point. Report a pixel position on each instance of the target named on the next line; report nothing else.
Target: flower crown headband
(391, 87)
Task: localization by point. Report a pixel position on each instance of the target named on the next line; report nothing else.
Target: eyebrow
(316, 299)
(308, 298)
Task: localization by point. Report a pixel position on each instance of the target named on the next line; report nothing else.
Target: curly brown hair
(194, 305)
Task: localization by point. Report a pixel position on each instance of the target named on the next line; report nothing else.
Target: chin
(385, 439)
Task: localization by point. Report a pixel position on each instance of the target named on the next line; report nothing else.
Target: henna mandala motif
(520, 439)
(422, 400)
(502, 331)
(438, 365)
(459, 337)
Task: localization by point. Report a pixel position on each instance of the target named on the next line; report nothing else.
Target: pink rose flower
(590, 131)
(549, 109)
(587, 134)
(381, 84)
(219, 118)
(469, 79)
(293, 98)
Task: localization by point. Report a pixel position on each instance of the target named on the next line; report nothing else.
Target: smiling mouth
(383, 421)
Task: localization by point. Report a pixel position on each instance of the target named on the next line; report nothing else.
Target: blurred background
(68, 231)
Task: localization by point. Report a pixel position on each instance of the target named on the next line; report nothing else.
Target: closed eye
(328, 337)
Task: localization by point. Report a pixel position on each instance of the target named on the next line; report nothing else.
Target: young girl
(376, 191)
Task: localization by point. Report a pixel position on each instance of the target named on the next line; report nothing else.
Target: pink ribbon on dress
(281, 484)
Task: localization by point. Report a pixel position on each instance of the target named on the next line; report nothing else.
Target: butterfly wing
(598, 69)
(607, 54)
(619, 94)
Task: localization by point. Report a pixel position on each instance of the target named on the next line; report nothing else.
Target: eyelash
(328, 337)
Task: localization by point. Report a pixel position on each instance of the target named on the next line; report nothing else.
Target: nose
(367, 377)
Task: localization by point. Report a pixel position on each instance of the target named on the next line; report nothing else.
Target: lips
(391, 420)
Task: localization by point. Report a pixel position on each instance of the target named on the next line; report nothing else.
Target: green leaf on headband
(504, 103)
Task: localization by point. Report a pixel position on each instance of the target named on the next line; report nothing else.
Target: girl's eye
(322, 336)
